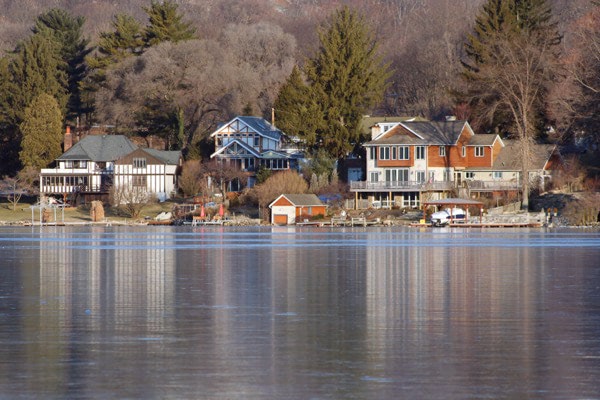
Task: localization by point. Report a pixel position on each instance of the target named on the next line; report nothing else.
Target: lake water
(311, 313)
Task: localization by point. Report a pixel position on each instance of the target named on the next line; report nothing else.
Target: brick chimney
(68, 141)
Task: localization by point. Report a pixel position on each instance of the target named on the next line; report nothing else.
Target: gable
(139, 153)
(236, 149)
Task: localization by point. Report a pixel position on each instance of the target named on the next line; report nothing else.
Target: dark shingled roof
(486, 139)
(428, 132)
(168, 157)
(261, 126)
(99, 148)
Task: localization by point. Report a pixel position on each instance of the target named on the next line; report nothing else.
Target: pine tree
(347, 77)
(35, 68)
(73, 48)
(42, 132)
(297, 112)
(165, 24)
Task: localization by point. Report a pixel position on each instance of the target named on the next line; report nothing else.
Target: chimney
(68, 140)
(273, 118)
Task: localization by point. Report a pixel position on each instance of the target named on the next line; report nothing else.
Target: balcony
(399, 186)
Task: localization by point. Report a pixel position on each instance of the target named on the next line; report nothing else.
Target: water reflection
(278, 313)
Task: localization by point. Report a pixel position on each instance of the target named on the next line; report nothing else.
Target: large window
(139, 163)
(420, 152)
(396, 175)
(479, 151)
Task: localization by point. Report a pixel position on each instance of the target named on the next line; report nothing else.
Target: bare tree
(281, 182)
(514, 82)
(131, 198)
(190, 181)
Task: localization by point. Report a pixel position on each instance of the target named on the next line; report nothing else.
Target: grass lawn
(76, 214)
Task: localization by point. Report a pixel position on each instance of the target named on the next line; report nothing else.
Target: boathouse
(292, 208)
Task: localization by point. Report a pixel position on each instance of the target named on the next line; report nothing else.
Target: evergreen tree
(347, 78)
(35, 68)
(297, 112)
(32, 69)
(42, 132)
(73, 48)
(165, 24)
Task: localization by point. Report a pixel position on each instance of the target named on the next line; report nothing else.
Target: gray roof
(486, 139)
(304, 199)
(428, 132)
(99, 148)
(169, 157)
(368, 121)
(261, 126)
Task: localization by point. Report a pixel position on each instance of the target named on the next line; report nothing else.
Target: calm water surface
(284, 313)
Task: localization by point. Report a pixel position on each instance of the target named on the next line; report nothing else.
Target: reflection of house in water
(127, 279)
(417, 296)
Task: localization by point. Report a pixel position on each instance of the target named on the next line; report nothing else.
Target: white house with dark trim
(91, 167)
(250, 143)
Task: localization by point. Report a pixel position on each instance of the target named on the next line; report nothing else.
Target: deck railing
(411, 186)
(402, 186)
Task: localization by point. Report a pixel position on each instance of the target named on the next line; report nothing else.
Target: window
(374, 176)
(469, 175)
(394, 153)
(403, 153)
(373, 153)
(396, 175)
(256, 141)
(384, 153)
(479, 151)
(139, 180)
(68, 164)
(497, 174)
(420, 152)
(139, 163)
(464, 151)
(442, 151)
(420, 176)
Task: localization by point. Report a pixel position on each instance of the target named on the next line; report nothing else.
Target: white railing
(400, 186)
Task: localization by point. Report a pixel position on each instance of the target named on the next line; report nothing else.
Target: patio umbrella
(202, 213)
(221, 211)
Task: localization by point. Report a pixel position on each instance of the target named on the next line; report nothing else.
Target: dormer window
(479, 151)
